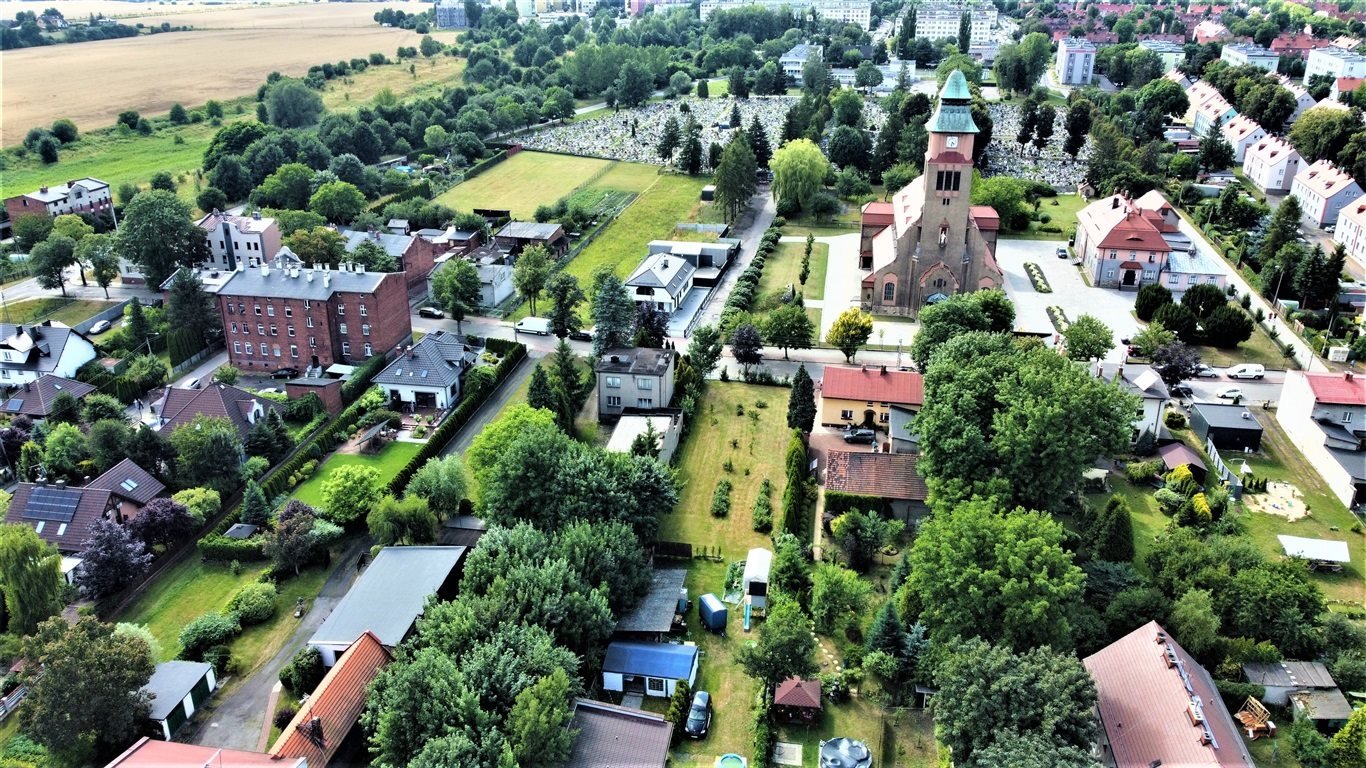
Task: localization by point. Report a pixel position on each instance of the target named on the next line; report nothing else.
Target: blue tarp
(671, 662)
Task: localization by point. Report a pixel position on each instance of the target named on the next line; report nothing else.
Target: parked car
(537, 325)
(859, 436)
(1247, 371)
(1206, 372)
(99, 327)
(192, 383)
(1229, 393)
(1182, 390)
(699, 715)
(1062, 252)
(284, 373)
(431, 312)
(580, 335)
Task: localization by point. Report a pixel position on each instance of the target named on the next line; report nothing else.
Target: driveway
(760, 214)
(1070, 292)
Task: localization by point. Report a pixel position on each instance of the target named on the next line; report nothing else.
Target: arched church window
(889, 292)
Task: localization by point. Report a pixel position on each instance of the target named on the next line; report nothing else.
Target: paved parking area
(1070, 291)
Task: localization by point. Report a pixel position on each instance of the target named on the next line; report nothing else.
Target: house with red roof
(1345, 85)
(798, 701)
(1210, 31)
(890, 481)
(1297, 44)
(179, 406)
(1325, 415)
(154, 753)
(1122, 243)
(324, 730)
(35, 399)
(1323, 190)
(865, 396)
(1158, 706)
(63, 515)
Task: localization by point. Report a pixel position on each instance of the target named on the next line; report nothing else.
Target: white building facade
(937, 20)
(1245, 54)
(1323, 191)
(1076, 61)
(1335, 62)
(1242, 132)
(1271, 164)
(1350, 231)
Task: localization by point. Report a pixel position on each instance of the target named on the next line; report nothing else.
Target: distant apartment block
(1172, 54)
(856, 12)
(1242, 132)
(1350, 231)
(1076, 61)
(76, 196)
(936, 20)
(1334, 62)
(1247, 54)
(239, 239)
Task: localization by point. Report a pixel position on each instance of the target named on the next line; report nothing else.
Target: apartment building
(1271, 164)
(1076, 61)
(1323, 190)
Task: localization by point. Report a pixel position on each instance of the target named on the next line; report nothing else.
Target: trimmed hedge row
(513, 353)
(839, 502)
(217, 547)
(360, 380)
(746, 288)
(276, 481)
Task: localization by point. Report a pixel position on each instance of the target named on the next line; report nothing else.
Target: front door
(1130, 277)
(868, 418)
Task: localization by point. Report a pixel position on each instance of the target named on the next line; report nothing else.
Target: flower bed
(1058, 318)
(1036, 277)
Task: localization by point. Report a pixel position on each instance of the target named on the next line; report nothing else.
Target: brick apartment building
(76, 196)
(284, 314)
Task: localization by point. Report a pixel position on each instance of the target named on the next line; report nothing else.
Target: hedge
(838, 502)
(354, 387)
(223, 549)
(276, 481)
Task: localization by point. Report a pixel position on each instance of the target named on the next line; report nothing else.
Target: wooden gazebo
(798, 701)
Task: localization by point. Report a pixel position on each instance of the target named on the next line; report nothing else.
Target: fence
(1235, 483)
(110, 314)
(193, 360)
(10, 702)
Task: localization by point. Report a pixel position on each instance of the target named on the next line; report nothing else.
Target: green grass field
(1063, 215)
(1261, 348)
(784, 266)
(389, 462)
(183, 594)
(524, 181)
(56, 308)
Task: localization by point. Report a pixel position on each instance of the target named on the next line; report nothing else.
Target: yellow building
(868, 396)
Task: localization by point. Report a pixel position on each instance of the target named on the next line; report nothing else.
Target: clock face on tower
(951, 142)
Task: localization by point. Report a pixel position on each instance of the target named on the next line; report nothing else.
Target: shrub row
(763, 508)
(513, 353)
(746, 288)
(219, 548)
(360, 380)
(839, 502)
(720, 499)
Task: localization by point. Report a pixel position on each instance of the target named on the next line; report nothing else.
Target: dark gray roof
(278, 284)
(663, 270)
(240, 531)
(394, 245)
(129, 481)
(437, 361)
(655, 612)
(1352, 461)
(389, 596)
(1227, 416)
(1140, 380)
(641, 360)
(1289, 674)
(1324, 704)
(618, 737)
(171, 683)
(35, 347)
(530, 230)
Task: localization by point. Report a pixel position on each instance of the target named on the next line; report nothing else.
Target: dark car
(431, 312)
(580, 335)
(1061, 253)
(699, 715)
(859, 436)
(284, 373)
(1181, 390)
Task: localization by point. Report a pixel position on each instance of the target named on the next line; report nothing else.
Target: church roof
(956, 87)
(954, 114)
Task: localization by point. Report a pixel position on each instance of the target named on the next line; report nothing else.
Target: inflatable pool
(731, 761)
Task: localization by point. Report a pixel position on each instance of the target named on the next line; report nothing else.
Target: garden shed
(649, 668)
(1230, 427)
(178, 689)
(755, 581)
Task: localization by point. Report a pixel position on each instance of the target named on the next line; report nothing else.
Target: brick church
(930, 242)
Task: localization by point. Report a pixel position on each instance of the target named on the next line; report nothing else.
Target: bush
(284, 715)
(1143, 471)
(303, 672)
(222, 549)
(1175, 420)
(254, 603)
(720, 500)
(763, 508)
(393, 418)
(205, 632)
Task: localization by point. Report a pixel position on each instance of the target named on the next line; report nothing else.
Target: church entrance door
(1130, 276)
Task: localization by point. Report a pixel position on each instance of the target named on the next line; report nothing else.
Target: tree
(441, 482)
(789, 327)
(562, 289)
(757, 136)
(799, 170)
(191, 308)
(541, 394)
(30, 578)
(209, 453)
(746, 345)
(1322, 132)
(1051, 697)
(1215, 153)
(402, 521)
(162, 522)
(613, 312)
(785, 646)
(497, 437)
(1194, 620)
(290, 186)
(63, 451)
(867, 75)
(337, 201)
(255, 509)
(158, 234)
(49, 261)
(108, 441)
(964, 31)
(652, 326)
(66, 409)
(806, 259)
(669, 138)
(735, 177)
(317, 245)
(801, 405)
(30, 230)
(861, 534)
(348, 492)
(1111, 534)
(456, 288)
(98, 252)
(532, 271)
(1087, 338)
(1227, 327)
(293, 543)
(959, 314)
(850, 332)
(538, 725)
(292, 104)
(837, 595)
(848, 147)
(690, 150)
(633, 85)
(90, 695)
(1151, 298)
(1349, 744)
(203, 504)
(1179, 320)
(113, 558)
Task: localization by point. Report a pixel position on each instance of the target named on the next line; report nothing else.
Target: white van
(537, 325)
(1247, 371)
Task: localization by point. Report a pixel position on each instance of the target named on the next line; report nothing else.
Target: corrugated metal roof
(671, 662)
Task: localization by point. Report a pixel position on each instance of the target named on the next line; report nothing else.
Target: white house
(792, 62)
(1247, 54)
(1076, 61)
(1187, 269)
(429, 373)
(248, 239)
(1323, 190)
(1271, 164)
(1325, 415)
(653, 669)
(495, 274)
(1242, 132)
(28, 352)
(1303, 101)
(1146, 383)
(1350, 231)
(1208, 108)
(1334, 62)
(661, 280)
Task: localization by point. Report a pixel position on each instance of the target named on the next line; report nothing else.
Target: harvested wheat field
(229, 55)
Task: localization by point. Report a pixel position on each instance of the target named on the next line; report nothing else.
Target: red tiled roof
(618, 737)
(793, 692)
(1349, 84)
(864, 473)
(180, 406)
(69, 537)
(873, 385)
(986, 217)
(1146, 710)
(35, 400)
(336, 705)
(153, 753)
(1337, 390)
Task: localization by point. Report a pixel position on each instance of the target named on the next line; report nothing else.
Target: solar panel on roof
(55, 504)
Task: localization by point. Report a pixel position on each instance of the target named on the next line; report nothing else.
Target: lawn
(256, 645)
(56, 308)
(1261, 348)
(430, 77)
(184, 593)
(784, 266)
(1062, 212)
(523, 182)
(389, 461)
(1148, 520)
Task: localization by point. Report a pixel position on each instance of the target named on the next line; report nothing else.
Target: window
(260, 329)
(889, 291)
(346, 349)
(614, 401)
(368, 350)
(1346, 417)
(241, 308)
(1147, 274)
(270, 310)
(289, 311)
(234, 330)
(613, 382)
(248, 348)
(1139, 414)
(258, 310)
(1173, 279)
(645, 402)
(275, 349)
(230, 308)
(884, 417)
(644, 383)
(341, 309)
(237, 347)
(1150, 258)
(309, 321)
(274, 330)
(290, 329)
(365, 329)
(312, 342)
(846, 415)
(363, 313)
(341, 329)
(294, 350)
(1109, 274)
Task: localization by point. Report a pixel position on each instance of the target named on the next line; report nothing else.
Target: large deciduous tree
(208, 453)
(441, 481)
(349, 491)
(112, 559)
(1087, 338)
(158, 234)
(402, 521)
(30, 578)
(292, 104)
(961, 313)
(799, 170)
(850, 332)
(785, 647)
(532, 271)
(565, 296)
(456, 288)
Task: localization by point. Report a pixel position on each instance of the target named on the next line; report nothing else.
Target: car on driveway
(431, 312)
(1182, 390)
(99, 327)
(1229, 393)
(859, 436)
(580, 335)
(1061, 252)
(284, 373)
(699, 715)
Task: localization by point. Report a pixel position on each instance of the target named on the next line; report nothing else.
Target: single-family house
(28, 352)
(388, 597)
(35, 399)
(1230, 427)
(1305, 686)
(495, 274)
(1242, 132)
(1158, 706)
(178, 689)
(707, 259)
(178, 406)
(649, 668)
(667, 426)
(1271, 164)
(428, 374)
(660, 612)
(610, 736)
(637, 378)
(662, 280)
(1125, 243)
(886, 479)
(517, 235)
(154, 753)
(796, 57)
(1145, 382)
(323, 731)
(239, 239)
(130, 487)
(1210, 31)
(1325, 417)
(62, 515)
(1350, 231)
(798, 701)
(868, 396)
(1323, 190)
(1248, 54)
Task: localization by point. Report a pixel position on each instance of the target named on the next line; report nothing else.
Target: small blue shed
(649, 668)
(712, 612)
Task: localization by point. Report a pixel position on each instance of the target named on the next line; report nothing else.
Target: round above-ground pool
(731, 761)
(845, 753)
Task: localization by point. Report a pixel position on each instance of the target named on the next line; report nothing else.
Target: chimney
(884, 370)
(1114, 202)
(265, 269)
(256, 215)
(1348, 375)
(309, 276)
(327, 279)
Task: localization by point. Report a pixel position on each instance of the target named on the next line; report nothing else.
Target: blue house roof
(672, 662)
